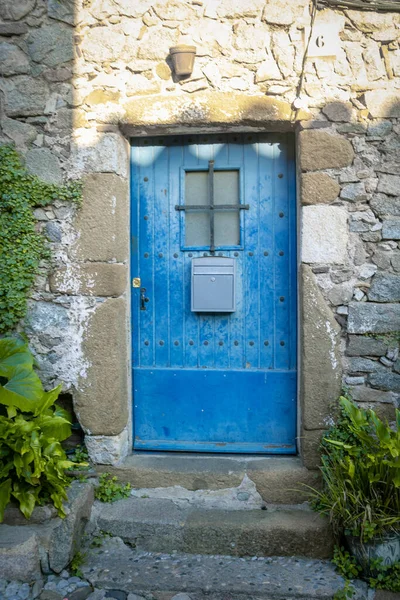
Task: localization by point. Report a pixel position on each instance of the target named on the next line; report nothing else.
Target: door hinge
(136, 282)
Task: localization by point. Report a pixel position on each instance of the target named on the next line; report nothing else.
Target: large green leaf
(26, 496)
(47, 400)
(5, 493)
(54, 427)
(23, 390)
(14, 353)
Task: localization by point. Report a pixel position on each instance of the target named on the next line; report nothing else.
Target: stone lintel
(202, 109)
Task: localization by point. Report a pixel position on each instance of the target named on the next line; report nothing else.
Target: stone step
(115, 566)
(278, 479)
(165, 525)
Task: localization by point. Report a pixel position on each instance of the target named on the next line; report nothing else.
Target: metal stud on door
(221, 378)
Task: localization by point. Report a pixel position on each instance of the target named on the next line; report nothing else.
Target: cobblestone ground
(120, 572)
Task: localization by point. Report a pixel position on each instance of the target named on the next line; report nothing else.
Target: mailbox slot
(213, 284)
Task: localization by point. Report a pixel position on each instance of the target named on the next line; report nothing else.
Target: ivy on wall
(22, 247)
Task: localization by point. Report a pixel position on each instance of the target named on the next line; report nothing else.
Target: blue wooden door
(214, 382)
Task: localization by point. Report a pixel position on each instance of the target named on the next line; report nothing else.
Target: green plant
(361, 474)
(384, 577)
(32, 461)
(80, 454)
(76, 563)
(109, 490)
(345, 563)
(346, 592)
(21, 246)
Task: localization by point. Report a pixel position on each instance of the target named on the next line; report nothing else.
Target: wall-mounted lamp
(182, 57)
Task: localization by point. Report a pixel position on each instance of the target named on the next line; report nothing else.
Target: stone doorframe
(103, 400)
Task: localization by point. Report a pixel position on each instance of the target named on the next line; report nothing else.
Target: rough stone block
(46, 316)
(96, 152)
(324, 235)
(383, 205)
(19, 553)
(381, 105)
(13, 61)
(384, 410)
(24, 96)
(51, 45)
(360, 345)
(318, 188)
(385, 380)
(362, 393)
(14, 11)
(67, 534)
(43, 163)
(320, 150)
(341, 293)
(40, 514)
(391, 229)
(339, 111)
(107, 450)
(364, 365)
(102, 398)
(235, 9)
(9, 29)
(368, 317)
(21, 133)
(101, 221)
(321, 381)
(389, 184)
(354, 192)
(92, 279)
(63, 11)
(385, 287)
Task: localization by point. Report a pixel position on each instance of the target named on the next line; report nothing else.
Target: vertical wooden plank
(221, 321)
(146, 253)
(191, 334)
(236, 325)
(206, 321)
(292, 210)
(281, 220)
(135, 211)
(161, 256)
(251, 256)
(266, 157)
(176, 298)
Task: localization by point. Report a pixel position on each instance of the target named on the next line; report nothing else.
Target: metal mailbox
(213, 284)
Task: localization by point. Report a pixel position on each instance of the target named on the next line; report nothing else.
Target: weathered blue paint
(215, 382)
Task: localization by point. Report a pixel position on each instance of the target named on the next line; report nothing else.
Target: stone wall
(80, 76)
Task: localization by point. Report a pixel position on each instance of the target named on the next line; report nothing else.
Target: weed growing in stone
(76, 563)
(109, 490)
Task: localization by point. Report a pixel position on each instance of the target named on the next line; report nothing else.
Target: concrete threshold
(278, 479)
(115, 566)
